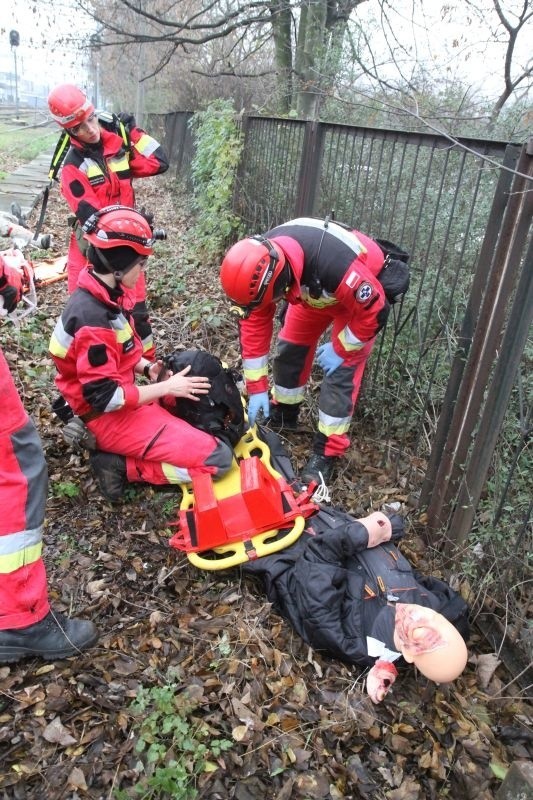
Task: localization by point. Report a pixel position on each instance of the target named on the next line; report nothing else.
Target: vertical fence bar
(486, 339)
(510, 352)
(434, 486)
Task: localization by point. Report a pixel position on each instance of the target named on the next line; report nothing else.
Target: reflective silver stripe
(329, 425)
(122, 328)
(255, 363)
(347, 237)
(117, 401)
(71, 117)
(175, 474)
(15, 542)
(289, 396)
(60, 340)
(350, 337)
(147, 343)
(146, 145)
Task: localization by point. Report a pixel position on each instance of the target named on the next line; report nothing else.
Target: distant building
(30, 93)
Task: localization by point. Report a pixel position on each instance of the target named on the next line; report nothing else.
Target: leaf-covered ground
(296, 724)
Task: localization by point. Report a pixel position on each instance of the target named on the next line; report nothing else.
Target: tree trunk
(281, 32)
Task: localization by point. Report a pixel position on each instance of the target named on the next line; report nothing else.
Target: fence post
(435, 485)
(309, 169)
(486, 341)
(170, 133)
(510, 353)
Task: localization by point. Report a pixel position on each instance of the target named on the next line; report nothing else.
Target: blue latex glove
(258, 402)
(327, 358)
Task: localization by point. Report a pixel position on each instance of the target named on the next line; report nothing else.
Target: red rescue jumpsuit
(96, 176)
(23, 488)
(95, 349)
(339, 267)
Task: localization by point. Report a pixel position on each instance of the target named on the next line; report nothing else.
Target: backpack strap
(61, 150)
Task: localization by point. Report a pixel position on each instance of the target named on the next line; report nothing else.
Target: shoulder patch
(352, 278)
(97, 355)
(364, 292)
(76, 187)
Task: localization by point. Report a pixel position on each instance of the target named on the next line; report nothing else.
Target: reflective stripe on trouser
(338, 396)
(338, 393)
(159, 447)
(23, 487)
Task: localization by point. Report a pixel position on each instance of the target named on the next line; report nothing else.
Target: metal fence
(448, 388)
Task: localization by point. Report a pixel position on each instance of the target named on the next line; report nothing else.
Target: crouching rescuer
(98, 355)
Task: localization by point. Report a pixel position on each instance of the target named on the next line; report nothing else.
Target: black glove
(149, 217)
(127, 119)
(10, 297)
(108, 120)
(10, 287)
(398, 527)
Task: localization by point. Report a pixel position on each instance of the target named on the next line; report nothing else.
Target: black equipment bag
(394, 276)
(220, 412)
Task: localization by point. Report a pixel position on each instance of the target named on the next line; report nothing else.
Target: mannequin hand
(327, 358)
(379, 528)
(258, 402)
(78, 436)
(380, 679)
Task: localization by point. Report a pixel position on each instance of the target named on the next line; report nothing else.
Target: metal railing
(448, 388)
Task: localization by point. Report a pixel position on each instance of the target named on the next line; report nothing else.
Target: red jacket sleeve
(255, 336)
(147, 157)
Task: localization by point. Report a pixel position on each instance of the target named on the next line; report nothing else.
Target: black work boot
(56, 636)
(283, 417)
(318, 465)
(110, 472)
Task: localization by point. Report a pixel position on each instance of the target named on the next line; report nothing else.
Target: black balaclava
(119, 259)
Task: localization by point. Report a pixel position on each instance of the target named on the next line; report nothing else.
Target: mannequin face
(429, 641)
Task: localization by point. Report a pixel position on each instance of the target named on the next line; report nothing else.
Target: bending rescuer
(329, 277)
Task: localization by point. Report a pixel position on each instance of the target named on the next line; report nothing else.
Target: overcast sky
(43, 64)
(447, 36)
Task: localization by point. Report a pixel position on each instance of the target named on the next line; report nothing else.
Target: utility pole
(14, 41)
(95, 46)
(140, 100)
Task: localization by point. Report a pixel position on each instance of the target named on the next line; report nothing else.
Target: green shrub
(174, 744)
(218, 146)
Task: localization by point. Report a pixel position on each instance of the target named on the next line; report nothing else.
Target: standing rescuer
(97, 172)
(328, 274)
(28, 627)
(98, 354)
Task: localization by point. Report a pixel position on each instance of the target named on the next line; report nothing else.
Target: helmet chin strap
(117, 274)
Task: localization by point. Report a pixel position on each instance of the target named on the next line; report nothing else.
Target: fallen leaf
(486, 666)
(239, 732)
(76, 779)
(56, 733)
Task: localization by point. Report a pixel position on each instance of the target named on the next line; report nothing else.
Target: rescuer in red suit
(328, 275)
(97, 172)
(28, 626)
